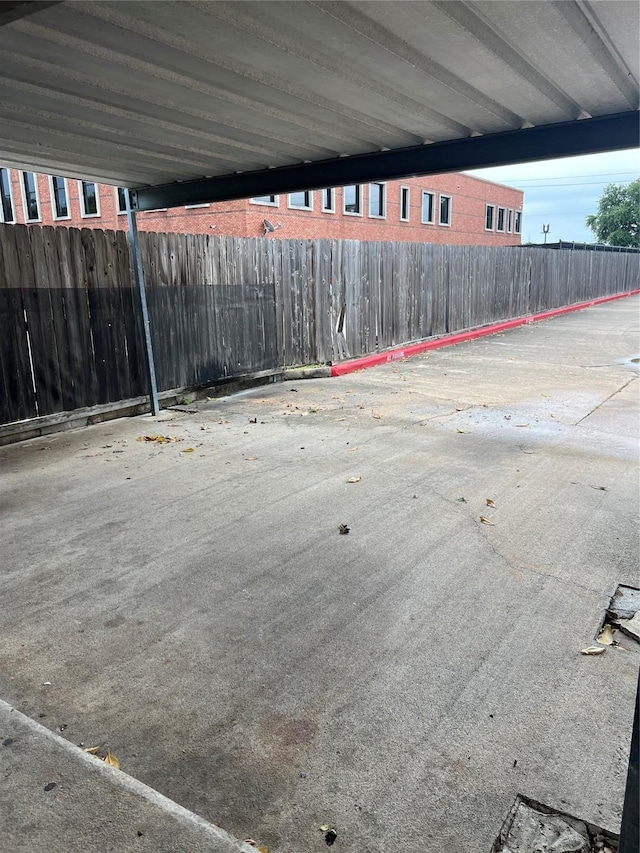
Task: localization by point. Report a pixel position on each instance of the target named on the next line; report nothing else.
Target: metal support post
(139, 278)
(630, 831)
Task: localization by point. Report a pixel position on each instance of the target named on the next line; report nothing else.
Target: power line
(587, 175)
(574, 184)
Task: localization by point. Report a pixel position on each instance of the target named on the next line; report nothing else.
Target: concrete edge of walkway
(111, 779)
(398, 353)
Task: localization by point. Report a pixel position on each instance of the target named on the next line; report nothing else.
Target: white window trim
(408, 189)
(25, 209)
(440, 197)
(83, 213)
(493, 217)
(353, 212)
(52, 198)
(509, 220)
(275, 203)
(300, 206)
(384, 200)
(13, 206)
(517, 213)
(331, 209)
(431, 221)
(119, 212)
(504, 220)
(189, 206)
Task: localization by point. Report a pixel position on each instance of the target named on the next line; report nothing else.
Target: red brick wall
(245, 219)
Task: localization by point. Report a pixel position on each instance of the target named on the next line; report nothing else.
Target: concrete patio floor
(193, 606)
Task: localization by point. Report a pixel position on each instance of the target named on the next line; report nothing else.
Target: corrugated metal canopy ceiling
(147, 93)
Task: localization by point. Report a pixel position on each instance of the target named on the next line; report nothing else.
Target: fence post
(138, 273)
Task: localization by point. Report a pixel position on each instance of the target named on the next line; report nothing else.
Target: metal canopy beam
(566, 139)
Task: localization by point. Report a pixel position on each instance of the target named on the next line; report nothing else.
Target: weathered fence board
(71, 334)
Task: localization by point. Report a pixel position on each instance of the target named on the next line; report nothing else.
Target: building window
(445, 210)
(377, 201)
(427, 208)
(31, 208)
(6, 211)
(271, 200)
(518, 223)
(500, 223)
(59, 198)
(404, 204)
(329, 200)
(489, 215)
(121, 194)
(88, 199)
(509, 221)
(302, 201)
(352, 199)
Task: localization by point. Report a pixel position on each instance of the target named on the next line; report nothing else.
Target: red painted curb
(449, 340)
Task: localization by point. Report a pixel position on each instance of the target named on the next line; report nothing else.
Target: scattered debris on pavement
(343, 529)
(159, 439)
(103, 754)
(330, 834)
(605, 637)
(252, 843)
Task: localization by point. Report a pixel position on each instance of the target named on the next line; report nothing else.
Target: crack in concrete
(521, 567)
(617, 391)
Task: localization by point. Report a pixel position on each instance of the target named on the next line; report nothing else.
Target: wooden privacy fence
(71, 336)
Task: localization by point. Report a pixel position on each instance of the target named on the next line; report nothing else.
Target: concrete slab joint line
(91, 782)
(459, 337)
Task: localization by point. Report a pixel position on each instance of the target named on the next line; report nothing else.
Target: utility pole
(545, 231)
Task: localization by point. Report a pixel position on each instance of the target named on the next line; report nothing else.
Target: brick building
(453, 208)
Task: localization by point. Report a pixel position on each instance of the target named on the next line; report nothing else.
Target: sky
(562, 193)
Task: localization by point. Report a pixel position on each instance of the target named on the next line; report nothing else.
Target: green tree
(616, 222)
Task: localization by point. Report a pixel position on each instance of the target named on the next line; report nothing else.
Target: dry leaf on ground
(592, 650)
(112, 760)
(250, 458)
(354, 479)
(187, 450)
(461, 431)
(159, 439)
(486, 521)
(490, 502)
(343, 529)
(92, 750)
(605, 637)
(376, 415)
